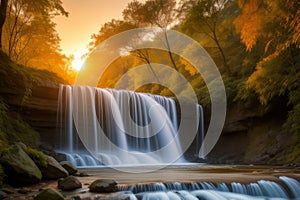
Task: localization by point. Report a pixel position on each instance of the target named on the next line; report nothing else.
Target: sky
(85, 18)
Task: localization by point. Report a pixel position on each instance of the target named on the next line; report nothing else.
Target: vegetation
(14, 129)
(27, 24)
(38, 157)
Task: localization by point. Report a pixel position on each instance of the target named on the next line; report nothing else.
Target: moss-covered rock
(53, 170)
(19, 167)
(38, 157)
(49, 194)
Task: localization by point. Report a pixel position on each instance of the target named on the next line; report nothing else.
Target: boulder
(49, 194)
(3, 195)
(19, 167)
(54, 170)
(103, 186)
(69, 167)
(69, 183)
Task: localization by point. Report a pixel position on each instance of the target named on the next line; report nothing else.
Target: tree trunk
(3, 8)
(226, 67)
(169, 50)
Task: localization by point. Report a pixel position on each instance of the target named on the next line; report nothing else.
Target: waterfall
(119, 127)
(260, 190)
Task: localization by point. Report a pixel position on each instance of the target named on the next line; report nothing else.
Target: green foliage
(39, 158)
(14, 129)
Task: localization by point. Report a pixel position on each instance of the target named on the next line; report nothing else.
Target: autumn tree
(29, 34)
(3, 8)
(275, 25)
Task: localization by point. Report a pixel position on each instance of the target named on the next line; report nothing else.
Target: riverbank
(193, 173)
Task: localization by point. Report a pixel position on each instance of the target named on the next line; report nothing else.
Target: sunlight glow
(77, 63)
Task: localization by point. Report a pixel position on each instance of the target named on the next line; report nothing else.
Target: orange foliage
(249, 23)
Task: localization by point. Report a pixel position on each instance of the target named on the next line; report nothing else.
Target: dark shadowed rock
(49, 194)
(19, 167)
(24, 190)
(54, 170)
(103, 186)
(3, 195)
(69, 167)
(69, 183)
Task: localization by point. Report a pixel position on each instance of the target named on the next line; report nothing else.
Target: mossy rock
(38, 157)
(49, 194)
(19, 167)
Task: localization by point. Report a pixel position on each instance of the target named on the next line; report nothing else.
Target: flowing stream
(286, 188)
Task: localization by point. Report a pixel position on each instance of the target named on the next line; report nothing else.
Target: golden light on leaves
(249, 24)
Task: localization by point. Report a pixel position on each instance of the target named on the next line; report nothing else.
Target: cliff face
(40, 111)
(31, 94)
(254, 135)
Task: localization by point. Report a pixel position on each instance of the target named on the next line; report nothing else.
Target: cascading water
(261, 190)
(119, 127)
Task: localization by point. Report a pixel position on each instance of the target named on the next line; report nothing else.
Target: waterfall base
(195, 182)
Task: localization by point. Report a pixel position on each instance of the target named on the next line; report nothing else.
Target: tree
(275, 25)
(109, 29)
(160, 13)
(29, 34)
(3, 8)
(204, 17)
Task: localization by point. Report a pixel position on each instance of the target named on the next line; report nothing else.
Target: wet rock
(76, 198)
(69, 167)
(49, 194)
(103, 186)
(3, 195)
(19, 167)
(82, 174)
(24, 190)
(54, 170)
(8, 190)
(69, 183)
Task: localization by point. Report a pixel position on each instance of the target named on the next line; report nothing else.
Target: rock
(8, 190)
(54, 170)
(24, 190)
(22, 145)
(69, 167)
(82, 174)
(69, 183)
(19, 167)
(103, 186)
(49, 194)
(3, 195)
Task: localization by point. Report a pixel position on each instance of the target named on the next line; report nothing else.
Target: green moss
(14, 129)
(39, 158)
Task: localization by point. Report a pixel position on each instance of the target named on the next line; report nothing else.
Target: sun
(77, 63)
